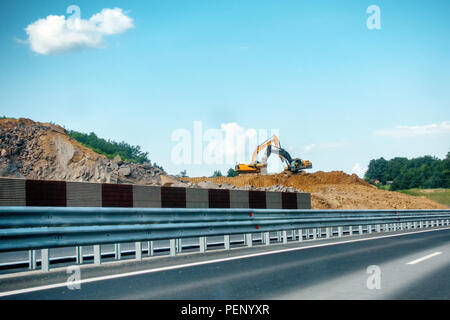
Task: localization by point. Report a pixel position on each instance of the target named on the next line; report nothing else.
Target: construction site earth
(43, 151)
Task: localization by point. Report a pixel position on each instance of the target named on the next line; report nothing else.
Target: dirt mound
(44, 151)
(331, 190)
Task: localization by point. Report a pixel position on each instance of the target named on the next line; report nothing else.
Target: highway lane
(337, 271)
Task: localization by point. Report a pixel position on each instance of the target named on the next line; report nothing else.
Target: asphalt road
(412, 266)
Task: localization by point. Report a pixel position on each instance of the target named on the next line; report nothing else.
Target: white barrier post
(117, 251)
(45, 261)
(32, 259)
(138, 249)
(249, 239)
(172, 246)
(267, 238)
(284, 236)
(79, 254)
(150, 248)
(202, 241)
(97, 255)
(226, 240)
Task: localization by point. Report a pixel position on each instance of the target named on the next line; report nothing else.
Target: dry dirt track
(333, 190)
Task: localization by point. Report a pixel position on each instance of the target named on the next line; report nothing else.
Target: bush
(111, 148)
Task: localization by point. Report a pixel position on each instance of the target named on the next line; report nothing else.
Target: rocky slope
(44, 151)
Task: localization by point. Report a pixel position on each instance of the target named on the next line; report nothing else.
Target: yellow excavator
(293, 165)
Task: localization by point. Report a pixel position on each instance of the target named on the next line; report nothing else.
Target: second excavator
(293, 165)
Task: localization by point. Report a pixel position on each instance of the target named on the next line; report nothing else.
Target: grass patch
(386, 187)
(439, 195)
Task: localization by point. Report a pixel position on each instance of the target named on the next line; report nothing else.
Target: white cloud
(56, 34)
(236, 141)
(329, 145)
(360, 171)
(416, 131)
(310, 147)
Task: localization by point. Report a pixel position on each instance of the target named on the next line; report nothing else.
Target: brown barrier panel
(117, 195)
(289, 200)
(257, 199)
(40, 193)
(173, 197)
(219, 198)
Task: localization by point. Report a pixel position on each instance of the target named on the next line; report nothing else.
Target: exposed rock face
(43, 151)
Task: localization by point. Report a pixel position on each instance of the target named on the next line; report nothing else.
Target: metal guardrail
(31, 228)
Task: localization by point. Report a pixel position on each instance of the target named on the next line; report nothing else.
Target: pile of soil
(331, 190)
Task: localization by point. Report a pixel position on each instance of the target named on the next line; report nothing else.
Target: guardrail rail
(44, 228)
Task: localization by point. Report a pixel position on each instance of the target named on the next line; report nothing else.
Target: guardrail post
(294, 236)
(328, 232)
(267, 238)
(45, 261)
(172, 246)
(79, 254)
(150, 248)
(249, 239)
(279, 236)
(97, 255)
(369, 228)
(117, 251)
(285, 236)
(226, 241)
(314, 233)
(179, 245)
(378, 228)
(138, 248)
(32, 259)
(202, 242)
(340, 231)
(300, 235)
(360, 230)
(350, 232)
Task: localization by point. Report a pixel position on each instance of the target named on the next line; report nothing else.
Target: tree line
(111, 148)
(403, 173)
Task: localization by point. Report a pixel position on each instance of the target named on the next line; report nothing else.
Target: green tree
(111, 148)
(231, 173)
(217, 173)
(420, 172)
(182, 174)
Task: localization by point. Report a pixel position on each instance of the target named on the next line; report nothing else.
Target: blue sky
(336, 91)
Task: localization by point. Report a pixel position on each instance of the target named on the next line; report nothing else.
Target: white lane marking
(425, 258)
(193, 264)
